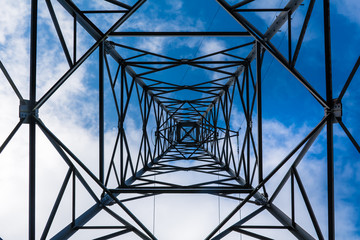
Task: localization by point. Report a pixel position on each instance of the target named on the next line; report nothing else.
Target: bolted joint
(225, 88)
(336, 111)
(145, 88)
(246, 62)
(25, 111)
(121, 125)
(109, 46)
(107, 201)
(262, 200)
(250, 124)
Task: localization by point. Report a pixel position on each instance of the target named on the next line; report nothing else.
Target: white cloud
(212, 45)
(151, 18)
(176, 5)
(268, 17)
(65, 122)
(13, 175)
(69, 126)
(10, 21)
(348, 8)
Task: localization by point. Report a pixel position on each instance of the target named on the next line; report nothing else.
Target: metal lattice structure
(185, 127)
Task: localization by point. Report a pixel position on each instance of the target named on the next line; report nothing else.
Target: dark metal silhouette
(195, 129)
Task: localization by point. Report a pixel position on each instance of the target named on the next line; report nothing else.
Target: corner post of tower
(31, 118)
(329, 127)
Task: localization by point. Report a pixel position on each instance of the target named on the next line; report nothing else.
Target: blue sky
(288, 116)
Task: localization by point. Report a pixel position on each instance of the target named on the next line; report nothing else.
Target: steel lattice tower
(191, 134)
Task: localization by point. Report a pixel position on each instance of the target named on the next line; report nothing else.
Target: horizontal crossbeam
(202, 190)
(180, 34)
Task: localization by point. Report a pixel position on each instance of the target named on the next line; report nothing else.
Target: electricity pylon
(185, 127)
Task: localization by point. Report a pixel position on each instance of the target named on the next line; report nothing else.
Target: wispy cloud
(71, 112)
(59, 115)
(349, 9)
(170, 17)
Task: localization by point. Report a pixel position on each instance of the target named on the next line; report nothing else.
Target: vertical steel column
(246, 73)
(167, 133)
(144, 126)
(289, 37)
(259, 108)
(32, 126)
(101, 112)
(122, 175)
(74, 40)
(329, 100)
(226, 118)
(217, 132)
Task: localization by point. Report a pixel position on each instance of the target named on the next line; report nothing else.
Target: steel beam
(270, 32)
(266, 179)
(180, 34)
(259, 107)
(101, 204)
(302, 33)
(11, 82)
(222, 101)
(296, 230)
(329, 127)
(264, 39)
(96, 34)
(32, 123)
(184, 190)
(99, 37)
(101, 113)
